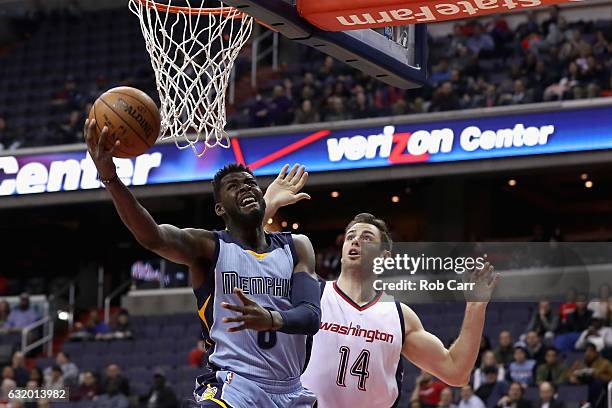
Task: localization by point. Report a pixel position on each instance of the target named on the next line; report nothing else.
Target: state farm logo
(380, 15)
(417, 146)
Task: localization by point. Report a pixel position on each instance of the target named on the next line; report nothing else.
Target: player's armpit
(427, 352)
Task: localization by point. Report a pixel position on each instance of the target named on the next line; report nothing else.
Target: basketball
(131, 116)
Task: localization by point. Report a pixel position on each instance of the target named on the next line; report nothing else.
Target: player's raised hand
(285, 189)
(253, 316)
(100, 149)
(483, 280)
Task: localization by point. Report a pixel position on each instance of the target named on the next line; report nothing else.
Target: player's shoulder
(301, 238)
(411, 319)
(302, 244)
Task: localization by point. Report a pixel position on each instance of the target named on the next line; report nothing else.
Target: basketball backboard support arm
(366, 50)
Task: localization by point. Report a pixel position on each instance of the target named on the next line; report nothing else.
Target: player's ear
(219, 210)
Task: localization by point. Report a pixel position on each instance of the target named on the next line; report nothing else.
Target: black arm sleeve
(305, 316)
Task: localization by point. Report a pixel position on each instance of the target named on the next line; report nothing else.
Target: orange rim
(225, 11)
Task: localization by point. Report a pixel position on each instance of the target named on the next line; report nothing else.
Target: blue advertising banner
(512, 135)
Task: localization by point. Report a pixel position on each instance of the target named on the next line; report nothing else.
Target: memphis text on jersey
(256, 285)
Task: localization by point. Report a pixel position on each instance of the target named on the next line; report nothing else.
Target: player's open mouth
(248, 200)
(354, 253)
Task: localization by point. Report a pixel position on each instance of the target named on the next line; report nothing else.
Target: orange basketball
(131, 116)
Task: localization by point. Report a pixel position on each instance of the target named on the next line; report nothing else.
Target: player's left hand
(285, 189)
(253, 316)
(484, 281)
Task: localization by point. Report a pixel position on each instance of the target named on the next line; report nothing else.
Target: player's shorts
(225, 389)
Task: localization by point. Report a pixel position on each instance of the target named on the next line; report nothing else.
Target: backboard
(395, 55)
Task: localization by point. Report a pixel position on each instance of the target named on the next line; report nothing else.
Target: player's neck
(357, 286)
(253, 238)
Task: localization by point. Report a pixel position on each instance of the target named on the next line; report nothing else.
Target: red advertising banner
(343, 15)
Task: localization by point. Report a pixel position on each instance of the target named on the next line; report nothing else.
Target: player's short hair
(227, 169)
(367, 218)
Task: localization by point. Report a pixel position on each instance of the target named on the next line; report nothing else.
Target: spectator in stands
(5, 311)
(577, 322)
(415, 404)
(37, 376)
(87, 389)
(535, 349)
(113, 375)
(594, 370)
(360, 107)
(568, 306)
(427, 390)
(547, 397)
(306, 113)
(196, 355)
(488, 360)
(70, 372)
(123, 328)
(468, 399)
(597, 334)
(485, 345)
(19, 369)
(602, 306)
(335, 109)
(54, 379)
(8, 381)
(521, 369)
(519, 95)
(113, 397)
(8, 138)
(71, 129)
(69, 97)
(22, 316)
(493, 389)
(514, 398)
(94, 328)
(444, 99)
(281, 107)
(553, 370)
(160, 395)
(544, 321)
(446, 399)
(504, 353)
(259, 113)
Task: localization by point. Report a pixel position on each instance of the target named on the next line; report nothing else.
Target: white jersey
(356, 354)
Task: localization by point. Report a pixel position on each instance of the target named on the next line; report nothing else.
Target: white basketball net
(192, 51)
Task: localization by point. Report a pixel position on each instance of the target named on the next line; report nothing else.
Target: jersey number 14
(358, 369)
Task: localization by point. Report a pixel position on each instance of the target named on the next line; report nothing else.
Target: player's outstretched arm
(175, 244)
(285, 190)
(454, 365)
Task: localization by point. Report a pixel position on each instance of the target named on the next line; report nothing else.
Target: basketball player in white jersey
(257, 343)
(356, 355)
(355, 360)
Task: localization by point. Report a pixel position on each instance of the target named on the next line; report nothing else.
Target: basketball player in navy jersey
(356, 355)
(257, 294)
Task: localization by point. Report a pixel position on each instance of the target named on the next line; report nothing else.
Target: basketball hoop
(192, 51)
